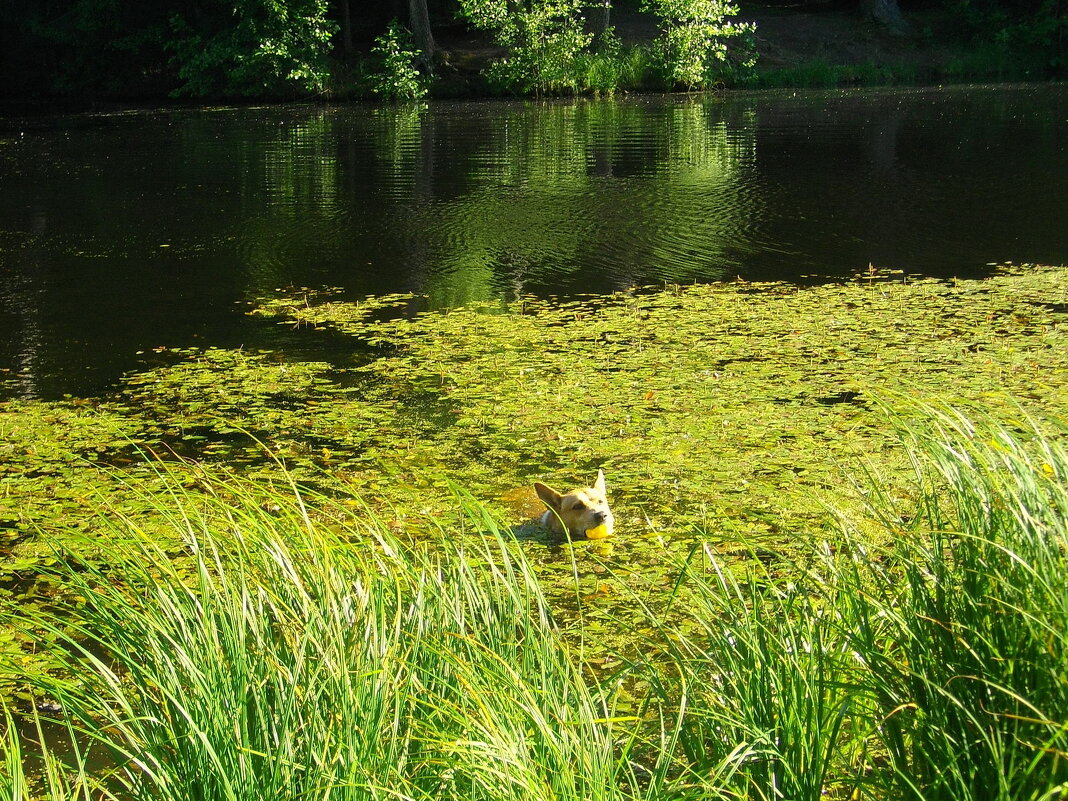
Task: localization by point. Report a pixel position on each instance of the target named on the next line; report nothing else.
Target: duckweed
(744, 403)
(741, 410)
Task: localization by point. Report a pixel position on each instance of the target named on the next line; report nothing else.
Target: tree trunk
(886, 12)
(346, 27)
(421, 33)
(600, 19)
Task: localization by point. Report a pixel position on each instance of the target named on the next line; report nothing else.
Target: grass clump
(286, 654)
(292, 647)
(924, 660)
(766, 686)
(613, 66)
(975, 688)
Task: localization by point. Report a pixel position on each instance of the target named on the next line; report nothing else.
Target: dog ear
(599, 483)
(548, 495)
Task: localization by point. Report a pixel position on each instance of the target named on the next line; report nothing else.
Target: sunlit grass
(621, 68)
(292, 647)
(973, 602)
(928, 660)
(289, 654)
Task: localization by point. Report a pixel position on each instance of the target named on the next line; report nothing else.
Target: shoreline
(814, 48)
(21, 110)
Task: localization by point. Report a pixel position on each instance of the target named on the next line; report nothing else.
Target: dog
(578, 511)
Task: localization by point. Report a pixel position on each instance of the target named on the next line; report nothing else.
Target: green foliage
(1014, 23)
(283, 644)
(252, 48)
(544, 39)
(548, 52)
(612, 66)
(281, 48)
(524, 391)
(695, 48)
(972, 602)
(494, 397)
(295, 648)
(397, 77)
(72, 47)
(266, 48)
(1008, 39)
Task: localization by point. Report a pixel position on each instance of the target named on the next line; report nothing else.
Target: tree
(693, 45)
(345, 12)
(886, 13)
(419, 17)
(544, 39)
(252, 47)
(599, 13)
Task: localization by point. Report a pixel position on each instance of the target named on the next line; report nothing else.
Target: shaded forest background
(335, 49)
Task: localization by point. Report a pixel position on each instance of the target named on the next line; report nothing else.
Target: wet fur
(576, 511)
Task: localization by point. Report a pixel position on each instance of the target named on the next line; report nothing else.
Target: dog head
(576, 511)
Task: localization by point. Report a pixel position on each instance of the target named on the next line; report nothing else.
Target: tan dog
(577, 511)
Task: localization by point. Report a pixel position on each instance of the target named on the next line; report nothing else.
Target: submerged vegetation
(246, 576)
(738, 405)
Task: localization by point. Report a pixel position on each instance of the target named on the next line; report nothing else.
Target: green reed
(924, 659)
(271, 652)
(764, 681)
(963, 623)
(263, 644)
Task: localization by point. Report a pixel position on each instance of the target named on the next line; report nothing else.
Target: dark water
(123, 232)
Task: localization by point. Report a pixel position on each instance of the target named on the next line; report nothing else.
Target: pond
(125, 232)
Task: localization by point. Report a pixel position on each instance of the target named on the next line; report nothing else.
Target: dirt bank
(789, 37)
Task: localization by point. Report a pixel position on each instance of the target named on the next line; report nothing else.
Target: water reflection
(574, 195)
(469, 202)
(119, 234)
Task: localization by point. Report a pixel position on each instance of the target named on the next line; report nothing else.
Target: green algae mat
(743, 411)
(738, 415)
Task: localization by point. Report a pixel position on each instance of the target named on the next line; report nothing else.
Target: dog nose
(598, 517)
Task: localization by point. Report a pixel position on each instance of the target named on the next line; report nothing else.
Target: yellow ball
(598, 532)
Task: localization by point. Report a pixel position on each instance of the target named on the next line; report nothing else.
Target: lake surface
(121, 233)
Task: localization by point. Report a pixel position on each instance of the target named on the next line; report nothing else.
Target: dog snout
(599, 517)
